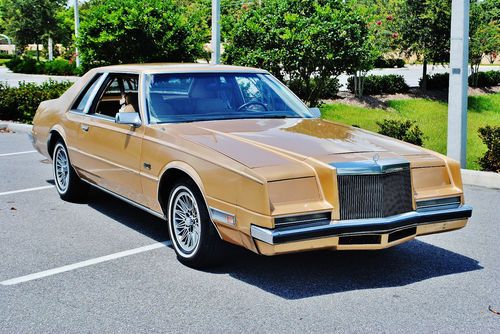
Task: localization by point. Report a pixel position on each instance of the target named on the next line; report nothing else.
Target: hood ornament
(376, 158)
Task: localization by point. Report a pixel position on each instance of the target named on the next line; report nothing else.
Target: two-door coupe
(230, 153)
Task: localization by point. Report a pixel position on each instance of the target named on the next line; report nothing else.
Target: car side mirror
(130, 118)
(315, 112)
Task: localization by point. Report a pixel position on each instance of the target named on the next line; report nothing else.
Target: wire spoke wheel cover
(185, 221)
(61, 169)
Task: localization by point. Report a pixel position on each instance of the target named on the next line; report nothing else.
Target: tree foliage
(380, 40)
(309, 41)
(424, 30)
(484, 33)
(30, 21)
(136, 31)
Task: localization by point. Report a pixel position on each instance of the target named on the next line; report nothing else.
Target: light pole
(77, 27)
(215, 43)
(457, 94)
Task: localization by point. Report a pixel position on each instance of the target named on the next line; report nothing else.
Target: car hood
(269, 142)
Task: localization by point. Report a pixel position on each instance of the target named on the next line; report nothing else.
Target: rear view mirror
(315, 112)
(130, 118)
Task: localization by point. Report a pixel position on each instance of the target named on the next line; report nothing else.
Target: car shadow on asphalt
(303, 275)
(128, 215)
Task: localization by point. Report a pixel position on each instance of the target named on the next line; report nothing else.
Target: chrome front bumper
(354, 227)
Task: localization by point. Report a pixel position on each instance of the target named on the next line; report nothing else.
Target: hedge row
(389, 63)
(329, 92)
(20, 103)
(381, 84)
(30, 65)
(440, 81)
(4, 55)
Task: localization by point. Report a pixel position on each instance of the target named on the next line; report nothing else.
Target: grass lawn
(431, 116)
(3, 61)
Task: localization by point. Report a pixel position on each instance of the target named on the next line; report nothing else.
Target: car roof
(178, 68)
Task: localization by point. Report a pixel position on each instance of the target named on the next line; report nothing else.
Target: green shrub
(329, 92)
(491, 159)
(436, 81)
(23, 65)
(381, 84)
(31, 66)
(4, 55)
(389, 63)
(402, 130)
(20, 103)
(485, 79)
(59, 67)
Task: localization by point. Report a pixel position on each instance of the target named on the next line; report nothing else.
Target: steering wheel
(245, 105)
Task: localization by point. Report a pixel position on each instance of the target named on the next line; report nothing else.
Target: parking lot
(105, 266)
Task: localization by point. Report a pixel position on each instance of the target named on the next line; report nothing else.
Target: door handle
(85, 127)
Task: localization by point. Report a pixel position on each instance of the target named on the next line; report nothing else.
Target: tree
(305, 42)
(424, 31)
(2, 16)
(381, 37)
(30, 21)
(484, 33)
(131, 31)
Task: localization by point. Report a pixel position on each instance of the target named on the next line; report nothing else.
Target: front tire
(194, 238)
(68, 184)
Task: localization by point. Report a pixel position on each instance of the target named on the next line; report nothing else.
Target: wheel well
(53, 139)
(167, 182)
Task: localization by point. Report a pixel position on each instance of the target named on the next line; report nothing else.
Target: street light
(77, 27)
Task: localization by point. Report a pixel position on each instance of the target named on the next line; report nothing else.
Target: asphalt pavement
(104, 266)
(13, 79)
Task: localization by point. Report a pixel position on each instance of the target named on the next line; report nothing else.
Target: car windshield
(190, 97)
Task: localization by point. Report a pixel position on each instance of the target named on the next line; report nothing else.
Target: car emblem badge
(376, 158)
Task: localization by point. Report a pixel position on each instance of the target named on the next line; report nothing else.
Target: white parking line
(15, 153)
(25, 190)
(86, 263)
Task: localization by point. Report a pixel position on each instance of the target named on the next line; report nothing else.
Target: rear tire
(194, 237)
(68, 184)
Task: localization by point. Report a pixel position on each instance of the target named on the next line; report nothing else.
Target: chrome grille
(375, 195)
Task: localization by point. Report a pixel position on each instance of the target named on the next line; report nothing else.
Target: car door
(112, 150)
(76, 123)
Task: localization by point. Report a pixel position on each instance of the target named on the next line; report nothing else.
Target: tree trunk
(474, 68)
(50, 49)
(37, 53)
(424, 76)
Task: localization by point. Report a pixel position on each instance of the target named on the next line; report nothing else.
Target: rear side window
(82, 100)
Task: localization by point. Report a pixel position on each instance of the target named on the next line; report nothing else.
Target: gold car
(226, 153)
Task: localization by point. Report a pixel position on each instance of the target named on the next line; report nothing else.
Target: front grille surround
(376, 194)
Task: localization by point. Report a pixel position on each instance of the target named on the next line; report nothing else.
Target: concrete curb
(481, 179)
(16, 127)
